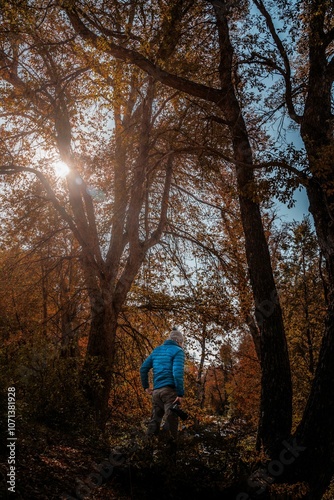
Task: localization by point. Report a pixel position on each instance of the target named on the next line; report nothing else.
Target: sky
(298, 211)
(282, 132)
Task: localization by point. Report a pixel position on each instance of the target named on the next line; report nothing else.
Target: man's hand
(149, 391)
(178, 400)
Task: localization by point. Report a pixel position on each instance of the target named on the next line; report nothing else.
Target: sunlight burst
(61, 169)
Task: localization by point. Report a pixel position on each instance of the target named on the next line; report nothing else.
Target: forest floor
(214, 460)
(56, 465)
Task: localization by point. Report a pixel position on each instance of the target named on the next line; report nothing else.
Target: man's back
(167, 361)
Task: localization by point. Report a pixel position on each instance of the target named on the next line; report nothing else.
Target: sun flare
(61, 169)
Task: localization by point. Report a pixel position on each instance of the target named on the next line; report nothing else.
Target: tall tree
(42, 89)
(316, 129)
(99, 30)
(301, 287)
(304, 88)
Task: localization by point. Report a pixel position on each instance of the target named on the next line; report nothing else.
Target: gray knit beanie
(176, 335)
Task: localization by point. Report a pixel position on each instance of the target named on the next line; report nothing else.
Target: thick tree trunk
(316, 430)
(276, 395)
(100, 354)
(276, 389)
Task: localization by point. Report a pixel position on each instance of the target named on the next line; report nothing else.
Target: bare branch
(287, 69)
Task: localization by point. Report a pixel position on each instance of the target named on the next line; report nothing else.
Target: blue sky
(298, 211)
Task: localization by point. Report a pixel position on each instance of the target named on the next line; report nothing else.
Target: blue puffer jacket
(167, 361)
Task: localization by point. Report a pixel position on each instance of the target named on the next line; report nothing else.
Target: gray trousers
(162, 400)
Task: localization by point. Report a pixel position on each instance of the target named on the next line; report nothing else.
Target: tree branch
(287, 69)
(156, 235)
(132, 57)
(12, 170)
(204, 202)
(302, 177)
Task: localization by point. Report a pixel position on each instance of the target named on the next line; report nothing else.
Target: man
(167, 361)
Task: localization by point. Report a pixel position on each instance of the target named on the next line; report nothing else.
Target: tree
(245, 383)
(307, 97)
(41, 92)
(155, 38)
(93, 27)
(316, 129)
(302, 294)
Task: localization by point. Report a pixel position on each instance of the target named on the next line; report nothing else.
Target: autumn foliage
(146, 149)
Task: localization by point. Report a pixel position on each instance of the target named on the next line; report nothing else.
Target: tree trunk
(316, 430)
(100, 354)
(201, 379)
(276, 395)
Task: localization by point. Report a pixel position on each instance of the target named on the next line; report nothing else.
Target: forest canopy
(144, 148)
